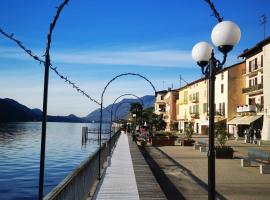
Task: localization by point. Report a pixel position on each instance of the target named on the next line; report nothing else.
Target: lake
(20, 154)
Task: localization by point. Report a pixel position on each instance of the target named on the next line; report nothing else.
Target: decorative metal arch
(101, 106)
(119, 106)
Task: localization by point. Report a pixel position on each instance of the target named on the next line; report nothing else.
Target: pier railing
(80, 181)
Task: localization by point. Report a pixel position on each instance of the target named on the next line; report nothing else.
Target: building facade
(257, 75)
(192, 104)
(165, 105)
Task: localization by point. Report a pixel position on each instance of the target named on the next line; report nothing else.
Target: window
(253, 65)
(261, 79)
(190, 109)
(253, 82)
(261, 60)
(205, 107)
(196, 109)
(162, 97)
(222, 76)
(222, 88)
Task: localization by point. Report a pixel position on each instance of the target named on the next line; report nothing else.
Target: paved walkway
(119, 180)
(186, 168)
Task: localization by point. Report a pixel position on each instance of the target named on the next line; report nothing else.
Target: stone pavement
(187, 170)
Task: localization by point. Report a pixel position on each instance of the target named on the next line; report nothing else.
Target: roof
(161, 91)
(256, 49)
(199, 80)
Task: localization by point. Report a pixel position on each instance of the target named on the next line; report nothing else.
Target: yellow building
(193, 98)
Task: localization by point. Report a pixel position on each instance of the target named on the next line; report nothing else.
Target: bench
(201, 145)
(257, 156)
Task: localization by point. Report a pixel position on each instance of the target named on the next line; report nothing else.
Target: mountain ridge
(13, 111)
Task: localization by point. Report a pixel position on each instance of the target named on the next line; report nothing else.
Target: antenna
(181, 79)
(263, 21)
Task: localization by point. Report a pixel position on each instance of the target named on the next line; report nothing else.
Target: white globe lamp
(201, 53)
(225, 35)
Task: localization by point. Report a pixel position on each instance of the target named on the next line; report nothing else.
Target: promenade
(128, 176)
(186, 170)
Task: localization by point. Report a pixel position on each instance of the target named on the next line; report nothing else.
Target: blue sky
(96, 40)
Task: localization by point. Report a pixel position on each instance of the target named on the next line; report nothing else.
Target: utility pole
(263, 21)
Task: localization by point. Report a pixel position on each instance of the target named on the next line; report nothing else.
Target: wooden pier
(128, 176)
(147, 184)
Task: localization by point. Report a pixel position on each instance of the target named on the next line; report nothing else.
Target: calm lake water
(20, 154)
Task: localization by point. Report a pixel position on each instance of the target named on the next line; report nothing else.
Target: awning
(245, 120)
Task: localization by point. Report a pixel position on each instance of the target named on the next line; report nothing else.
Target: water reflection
(20, 151)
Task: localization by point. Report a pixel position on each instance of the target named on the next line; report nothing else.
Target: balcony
(160, 101)
(246, 108)
(253, 89)
(220, 112)
(254, 69)
(194, 115)
(196, 100)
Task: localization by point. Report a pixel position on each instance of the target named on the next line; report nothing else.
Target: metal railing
(252, 88)
(80, 181)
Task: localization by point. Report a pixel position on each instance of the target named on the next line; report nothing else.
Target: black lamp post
(225, 35)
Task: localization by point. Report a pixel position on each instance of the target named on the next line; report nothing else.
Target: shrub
(189, 132)
(221, 134)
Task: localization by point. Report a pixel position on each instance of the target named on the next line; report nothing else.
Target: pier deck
(128, 176)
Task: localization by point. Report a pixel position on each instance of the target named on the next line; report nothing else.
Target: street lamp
(225, 35)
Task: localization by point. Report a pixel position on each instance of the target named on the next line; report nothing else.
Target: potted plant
(187, 141)
(163, 138)
(222, 151)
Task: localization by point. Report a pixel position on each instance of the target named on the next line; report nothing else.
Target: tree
(153, 120)
(136, 108)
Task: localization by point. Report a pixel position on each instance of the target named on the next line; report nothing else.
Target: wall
(235, 84)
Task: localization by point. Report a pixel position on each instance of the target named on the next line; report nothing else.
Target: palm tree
(136, 108)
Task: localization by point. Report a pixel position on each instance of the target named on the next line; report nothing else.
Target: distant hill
(121, 108)
(13, 111)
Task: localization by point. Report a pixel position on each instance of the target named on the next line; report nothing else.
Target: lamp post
(135, 117)
(225, 35)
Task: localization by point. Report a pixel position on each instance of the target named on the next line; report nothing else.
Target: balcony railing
(252, 88)
(220, 112)
(194, 115)
(246, 108)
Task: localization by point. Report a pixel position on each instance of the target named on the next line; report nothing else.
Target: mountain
(120, 109)
(12, 111)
